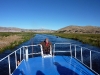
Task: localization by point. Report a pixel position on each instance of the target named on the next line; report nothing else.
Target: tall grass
(92, 39)
(9, 40)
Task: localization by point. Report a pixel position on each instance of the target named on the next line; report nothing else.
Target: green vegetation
(9, 40)
(92, 39)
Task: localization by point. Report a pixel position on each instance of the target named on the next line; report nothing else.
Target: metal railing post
(90, 61)
(41, 50)
(81, 55)
(23, 53)
(9, 65)
(26, 53)
(75, 51)
(70, 50)
(16, 59)
(20, 54)
(50, 50)
(54, 50)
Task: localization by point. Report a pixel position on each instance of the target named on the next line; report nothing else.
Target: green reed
(25, 37)
(92, 39)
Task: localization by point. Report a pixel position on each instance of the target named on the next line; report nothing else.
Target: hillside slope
(79, 29)
(14, 29)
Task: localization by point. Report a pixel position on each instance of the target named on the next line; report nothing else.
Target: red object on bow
(47, 44)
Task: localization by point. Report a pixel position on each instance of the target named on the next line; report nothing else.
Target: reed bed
(9, 40)
(92, 39)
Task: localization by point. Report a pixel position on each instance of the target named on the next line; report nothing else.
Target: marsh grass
(9, 40)
(92, 39)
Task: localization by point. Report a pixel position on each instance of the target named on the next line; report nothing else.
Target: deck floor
(58, 65)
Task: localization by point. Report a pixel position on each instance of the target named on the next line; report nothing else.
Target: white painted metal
(90, 61)
(54, 50)
(9, 65)
(15, 59)
(34, 53)
(75, 51)
(62, 51)
(41, 50)
(20, 54)
(25, 52)
(50, 50)
(70, 50)
(86, 66)
(81, 55)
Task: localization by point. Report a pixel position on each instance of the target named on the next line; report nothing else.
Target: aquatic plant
(9, 40)
(92, 39)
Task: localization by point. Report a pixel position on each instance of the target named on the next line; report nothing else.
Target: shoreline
(91, 39)
(10, 40)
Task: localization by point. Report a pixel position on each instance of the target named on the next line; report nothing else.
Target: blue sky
(49, 14)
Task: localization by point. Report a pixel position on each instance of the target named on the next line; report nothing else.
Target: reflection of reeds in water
(12, 40)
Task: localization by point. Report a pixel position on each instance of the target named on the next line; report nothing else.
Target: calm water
(54, 39)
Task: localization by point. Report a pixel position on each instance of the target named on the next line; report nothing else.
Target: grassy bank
(9, 40)
(92, 39)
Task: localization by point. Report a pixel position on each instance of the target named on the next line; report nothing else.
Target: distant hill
(79, 29)
(9, 29)
(13, 29)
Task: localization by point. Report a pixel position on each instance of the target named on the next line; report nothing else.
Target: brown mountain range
(14, 29)
(80, 29)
